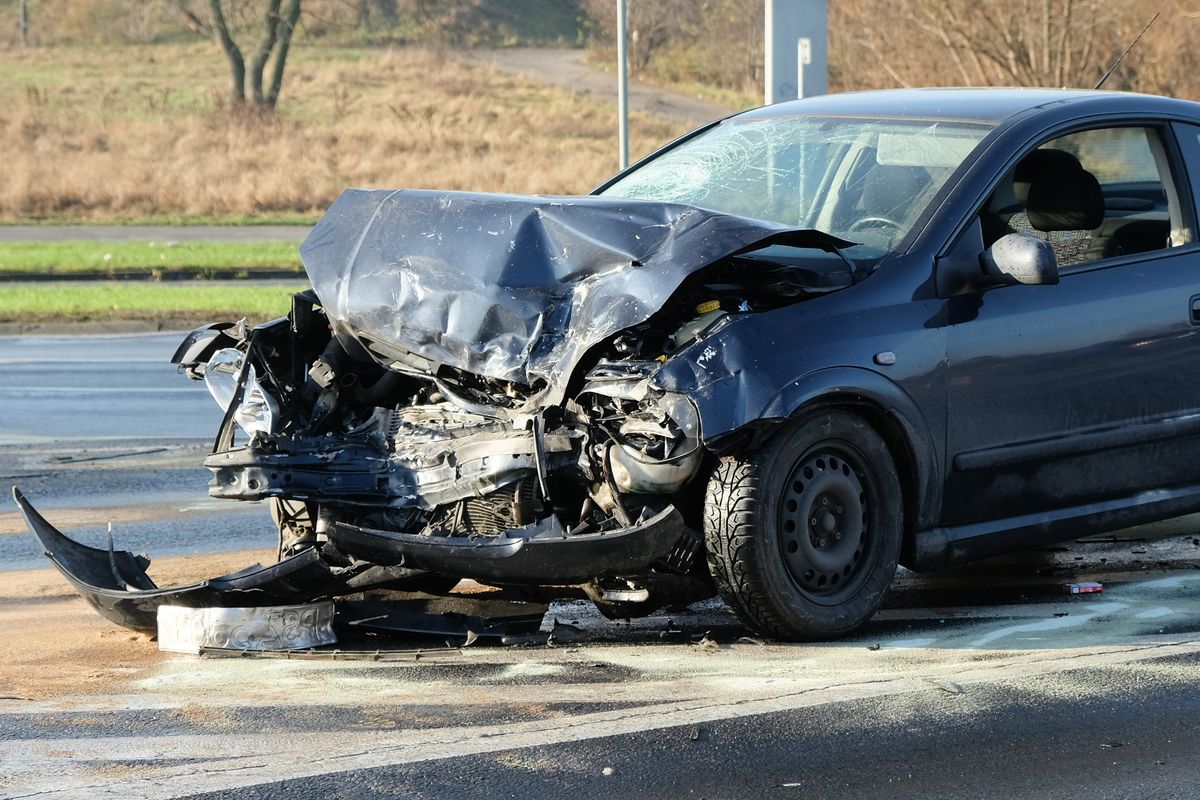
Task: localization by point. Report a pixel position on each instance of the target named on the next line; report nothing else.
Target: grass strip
(124, 300)
(104, 258)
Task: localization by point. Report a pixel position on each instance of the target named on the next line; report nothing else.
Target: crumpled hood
(509, 287)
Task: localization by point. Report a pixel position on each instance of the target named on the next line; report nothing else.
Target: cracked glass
(865, 180)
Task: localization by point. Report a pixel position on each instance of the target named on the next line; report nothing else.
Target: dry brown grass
(131, 133)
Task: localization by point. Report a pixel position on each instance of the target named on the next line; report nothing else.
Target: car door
(1061, 395)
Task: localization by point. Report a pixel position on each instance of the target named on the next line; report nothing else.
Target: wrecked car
(771, 361)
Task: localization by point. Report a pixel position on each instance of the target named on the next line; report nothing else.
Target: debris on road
(565, 633)
(295, 627)
(463, 617)
(1084, 587)
(948, 686)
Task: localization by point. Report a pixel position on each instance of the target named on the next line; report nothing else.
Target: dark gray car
(772, 360)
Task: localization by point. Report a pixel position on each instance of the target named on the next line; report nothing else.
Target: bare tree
(653, 25)
(982, 42)
(191, 20)
(264, 72)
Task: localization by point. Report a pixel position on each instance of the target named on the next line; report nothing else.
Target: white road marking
(1049, 625)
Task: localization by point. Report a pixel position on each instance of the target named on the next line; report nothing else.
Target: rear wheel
(803, 534)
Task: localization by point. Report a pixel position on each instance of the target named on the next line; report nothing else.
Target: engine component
(512, 506)
(707, 314)
(633, 472)
(653, 437)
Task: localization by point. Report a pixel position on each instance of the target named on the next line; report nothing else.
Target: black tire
(783, 575)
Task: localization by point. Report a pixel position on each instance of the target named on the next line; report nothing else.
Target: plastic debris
(948, 686)
(564, 633)
(1084, 587)
(297, 627)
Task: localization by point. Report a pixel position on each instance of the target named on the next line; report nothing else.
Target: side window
(1092, 195)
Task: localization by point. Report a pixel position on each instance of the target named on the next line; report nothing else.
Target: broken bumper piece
(539, 553)
(116, 583)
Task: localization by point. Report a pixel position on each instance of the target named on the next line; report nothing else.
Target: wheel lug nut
(813, 522)
(839, 509)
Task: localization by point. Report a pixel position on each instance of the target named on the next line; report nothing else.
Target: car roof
(977, 105)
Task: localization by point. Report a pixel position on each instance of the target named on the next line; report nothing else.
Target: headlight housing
(258, 411)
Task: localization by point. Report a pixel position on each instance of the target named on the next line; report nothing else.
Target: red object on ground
(1084, 587)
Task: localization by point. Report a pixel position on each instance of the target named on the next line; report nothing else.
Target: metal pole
(622, 84)
(769, 52)
(24, 22)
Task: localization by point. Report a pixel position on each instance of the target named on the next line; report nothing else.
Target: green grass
(129, 300)
(200, 220)
(104, 258)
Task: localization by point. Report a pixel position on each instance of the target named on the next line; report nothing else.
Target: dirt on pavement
(53, 643)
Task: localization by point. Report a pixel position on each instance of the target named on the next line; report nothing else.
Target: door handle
(1194, 303)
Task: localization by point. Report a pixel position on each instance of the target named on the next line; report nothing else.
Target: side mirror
(1021, 259)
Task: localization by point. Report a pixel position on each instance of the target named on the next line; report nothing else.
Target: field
(144, 301)
(145, 134)
(113, 258)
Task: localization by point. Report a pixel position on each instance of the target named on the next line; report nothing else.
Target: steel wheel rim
(824, 522)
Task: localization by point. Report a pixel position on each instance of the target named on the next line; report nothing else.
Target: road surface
(98, 425)
(983, 682)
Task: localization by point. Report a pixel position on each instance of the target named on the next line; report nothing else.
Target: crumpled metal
(509, 287)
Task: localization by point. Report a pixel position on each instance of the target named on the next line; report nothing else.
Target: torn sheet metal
(116, 584)
(294, 627)
(509, 287)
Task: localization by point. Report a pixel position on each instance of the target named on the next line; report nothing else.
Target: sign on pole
(797, 49)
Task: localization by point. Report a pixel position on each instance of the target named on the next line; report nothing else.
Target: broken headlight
(258, 411)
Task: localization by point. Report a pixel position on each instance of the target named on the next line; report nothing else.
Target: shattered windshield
(865, 180)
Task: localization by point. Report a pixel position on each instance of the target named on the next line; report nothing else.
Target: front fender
(738, 409)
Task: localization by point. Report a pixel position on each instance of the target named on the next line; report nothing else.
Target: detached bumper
(539, 553)
(116, 583)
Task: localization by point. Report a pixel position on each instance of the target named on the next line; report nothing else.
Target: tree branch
(258, 61)
(287, 26)
(193, 22)
(237, 64)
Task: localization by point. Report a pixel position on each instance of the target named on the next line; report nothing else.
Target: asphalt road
(983, 682)
(106, 422)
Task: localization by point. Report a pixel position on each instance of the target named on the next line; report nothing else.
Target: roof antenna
(1121, 57)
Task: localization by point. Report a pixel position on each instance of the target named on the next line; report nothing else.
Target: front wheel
(803, 534)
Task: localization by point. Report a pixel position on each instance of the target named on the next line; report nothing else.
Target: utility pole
(24, 22)
(622, 83)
